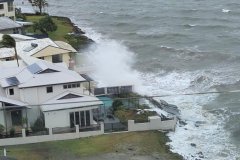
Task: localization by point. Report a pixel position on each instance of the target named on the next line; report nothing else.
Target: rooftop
(74, 100)
(12, 101)
(40, 73)
(31, 47)
(7, 23)
(6, 1)
(6, 52)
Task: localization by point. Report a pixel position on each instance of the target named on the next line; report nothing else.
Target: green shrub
(1, 129)
(117, 105)
(45, 25)
(77, 41)
(38, 125)
(12, 132)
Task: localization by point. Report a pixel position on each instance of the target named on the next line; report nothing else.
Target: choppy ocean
(170, 47)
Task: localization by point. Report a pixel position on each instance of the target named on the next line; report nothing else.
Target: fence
(155, 123)
(115, 127)
(50, 137)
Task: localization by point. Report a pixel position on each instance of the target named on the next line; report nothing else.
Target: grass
(63, 24)
(146, 143)
(127, 114)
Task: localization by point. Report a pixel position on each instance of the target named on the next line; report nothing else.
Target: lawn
(63, 24)
(144, 143)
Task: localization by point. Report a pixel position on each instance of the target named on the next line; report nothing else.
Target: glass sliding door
(87, 118)
(77, 120)
(72, 120)
(16, 117)
(83, 122)
(81, 118)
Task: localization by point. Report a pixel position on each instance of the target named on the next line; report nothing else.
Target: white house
(48, 89)
(46, 49)
(7, 9)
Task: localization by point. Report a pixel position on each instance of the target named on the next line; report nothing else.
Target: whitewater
(170, 47)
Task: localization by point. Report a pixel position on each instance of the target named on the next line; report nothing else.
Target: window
(15, 30)
(81, 118)
(1, 6)
(49, 89)
(57, 58)
(72, 85)
(10, 6)
(11, 91)
(9, 59)
(41, 58)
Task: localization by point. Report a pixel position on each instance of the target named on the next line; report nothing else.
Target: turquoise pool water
(106, 101)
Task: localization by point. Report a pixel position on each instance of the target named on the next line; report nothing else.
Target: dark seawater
(171, 46)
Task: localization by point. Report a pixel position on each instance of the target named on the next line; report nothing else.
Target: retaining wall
(153, 124)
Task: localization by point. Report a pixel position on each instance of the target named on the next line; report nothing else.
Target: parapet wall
(153, 124)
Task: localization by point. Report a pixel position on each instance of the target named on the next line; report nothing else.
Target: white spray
(112, 63)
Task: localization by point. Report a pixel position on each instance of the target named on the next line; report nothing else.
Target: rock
(193, 144)
(200, 154)
(130, 149)
(164, 103)
(181, 122)
(77, 30)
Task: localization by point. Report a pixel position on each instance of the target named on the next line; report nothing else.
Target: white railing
(50, 137)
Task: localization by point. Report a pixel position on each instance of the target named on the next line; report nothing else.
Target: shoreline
(75, 36)
(77, 31)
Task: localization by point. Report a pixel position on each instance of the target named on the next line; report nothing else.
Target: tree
(9, 42)
(117, 105)
(40, 4)
(45, 25)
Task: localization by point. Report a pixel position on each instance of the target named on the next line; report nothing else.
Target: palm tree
(9, 42)
(40, 4)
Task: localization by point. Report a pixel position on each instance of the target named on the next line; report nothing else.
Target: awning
(14, 107)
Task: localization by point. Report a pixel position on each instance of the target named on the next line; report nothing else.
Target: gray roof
(31, 76)
(6, 1)
(12, 101)
(79, 101)
(7, 23)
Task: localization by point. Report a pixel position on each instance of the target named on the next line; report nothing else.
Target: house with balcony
(45, 90)
(7, 9)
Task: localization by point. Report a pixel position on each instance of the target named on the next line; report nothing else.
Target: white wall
(2, 122)
(5, 11)
(154, 124)
(16, 93)
(38, 95)
(62, 118)
(46, 138)
(33, 114)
